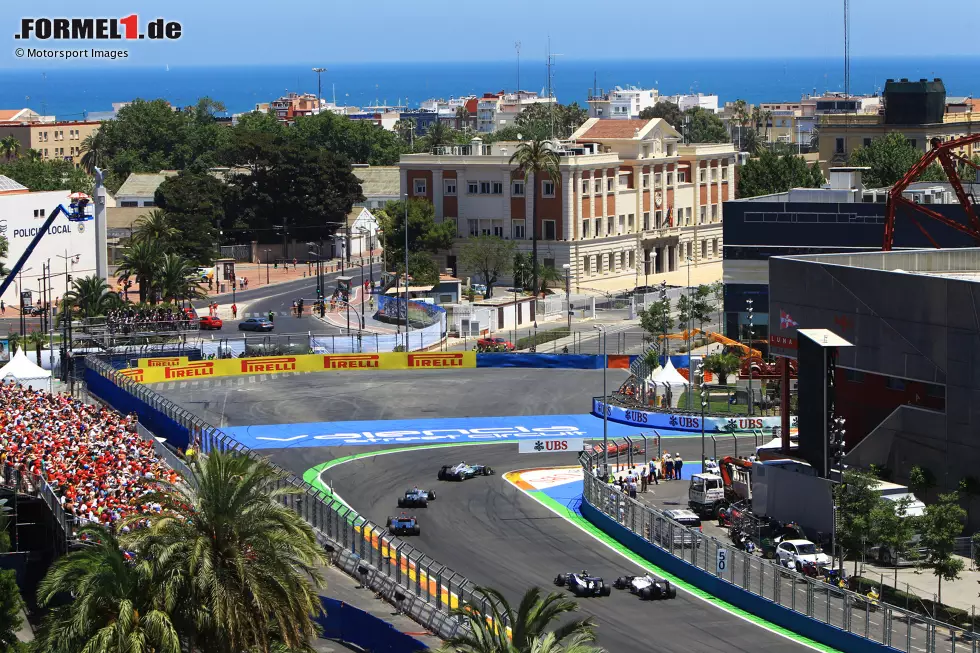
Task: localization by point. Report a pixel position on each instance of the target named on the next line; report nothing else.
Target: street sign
(721, 561)
(531, 445)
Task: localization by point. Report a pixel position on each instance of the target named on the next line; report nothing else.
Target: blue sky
(301, 31)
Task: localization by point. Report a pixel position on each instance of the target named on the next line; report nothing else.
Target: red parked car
(209, 323)
(494, 344)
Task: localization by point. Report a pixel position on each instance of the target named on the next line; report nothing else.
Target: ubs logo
(3, 226)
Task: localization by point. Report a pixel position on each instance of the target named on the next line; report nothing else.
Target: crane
(947, 156)
(77, 211)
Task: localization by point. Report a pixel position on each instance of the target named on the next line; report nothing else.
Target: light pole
(319, 93)
(837, 433)
(748, 309)
(266, 266)
(687, 326)
(704, 405)
(605, 405)
(406, 272)
(568, 294)
(319, 288)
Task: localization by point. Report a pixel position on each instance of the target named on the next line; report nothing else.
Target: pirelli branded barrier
(185, 370)
(163, 361)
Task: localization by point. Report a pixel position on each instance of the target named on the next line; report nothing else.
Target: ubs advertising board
(21, 216)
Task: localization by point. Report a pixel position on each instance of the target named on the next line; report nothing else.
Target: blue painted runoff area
(759, 606)
(432, 430)
(345, 623)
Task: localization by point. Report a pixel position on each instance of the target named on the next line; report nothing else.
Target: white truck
(706, 495)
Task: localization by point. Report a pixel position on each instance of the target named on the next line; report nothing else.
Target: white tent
(21, 370)
(668, 377)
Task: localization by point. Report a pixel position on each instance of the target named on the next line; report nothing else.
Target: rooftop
(614, 129)
(962, 264)
(143, 184)
(379, 181)
(8, 185)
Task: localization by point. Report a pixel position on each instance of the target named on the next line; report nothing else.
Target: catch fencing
(418, 585)
(801, 595)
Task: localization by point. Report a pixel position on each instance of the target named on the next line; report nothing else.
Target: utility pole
(517, 46)
(319, 101)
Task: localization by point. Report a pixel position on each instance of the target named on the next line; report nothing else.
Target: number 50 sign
(721, 561)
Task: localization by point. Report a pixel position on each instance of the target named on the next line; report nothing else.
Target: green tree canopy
(10, 606)
(425, 237)
(657, 320)
(91, 296)
(722, 365)
(359, 141)
(536, 159)
(894, 530)
(668, 111)
(941, 524)
(704, 126)
(488, 256)
(535, 121)
(770, 173)
(53, 174)
(890, 158)
(194, 208)
(856, 499)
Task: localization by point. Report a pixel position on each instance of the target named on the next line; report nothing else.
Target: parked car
(256, 324)
(479, 288)
(681, 533)
(211, 323)
(793, 553)
(494, 344)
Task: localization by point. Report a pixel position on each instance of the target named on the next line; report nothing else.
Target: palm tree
(91, 295)
(37, 339)
(95, 148)
(767, 120)
(535, 160)
(438, 134)
(239, 566)
(528, 626)
(406, 129)
(177, 279)
(462, 118)
(13, 342)
(9, 147)
(34, 155)
(549, 274)
(154, 226)
(142, 260)
(114, 609)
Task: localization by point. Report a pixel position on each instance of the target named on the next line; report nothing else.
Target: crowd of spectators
(137, 319)
(91, 456)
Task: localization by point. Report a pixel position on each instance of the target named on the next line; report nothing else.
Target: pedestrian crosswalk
(225, 382)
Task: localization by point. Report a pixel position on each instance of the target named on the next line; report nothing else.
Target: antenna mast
(847, 71)
(517, 46)
(551, 89)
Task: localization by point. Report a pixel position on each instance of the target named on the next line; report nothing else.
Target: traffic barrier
(345, 623)
(566, 361)
(162, 361)
(301, 363)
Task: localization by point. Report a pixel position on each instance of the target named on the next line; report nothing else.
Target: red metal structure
(947, 157)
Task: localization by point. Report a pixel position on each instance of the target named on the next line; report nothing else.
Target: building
(686, 102)
(841, 217)
(915, 109)
(18, 116)
(907, 386)
(22, 213)
(293, 105)
(140, 188)
(53, 140)
(357, 236)
(498, 110)
(631, 202)
(622, 103)
(379, 184)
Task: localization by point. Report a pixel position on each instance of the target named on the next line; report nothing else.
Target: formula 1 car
(583, 584)
(646, 587)
(416, 498)
(403, 525)
(462, 471)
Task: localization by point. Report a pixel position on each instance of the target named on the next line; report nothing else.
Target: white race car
(646, 587)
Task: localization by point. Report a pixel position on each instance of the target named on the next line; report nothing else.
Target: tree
(536, 161)
(657, 320)
(10, 607)
(153, 227)
(889, 158)
(701, 306)
(54, 174)
(357, 141)
(856, 498)
(489, 256)
(177, 279)
(535, 120)
(4, 246)
(462, 118)
(668, 111)
(941, 524)
(405, 128)
(684, 311)
(718, 294)
(142, 260)
(522, 270)
(550, 274)
(13, 342)
(95, 152)
(235, 563)
(894, 530)
(438, 134)
(115, 608)
(9, 147)
(37, 339)
(770, 173)
(750, 142)
(722, 365)
(92, 296)
(921, 480)
(529, 624)
(969, 489)
(194, 206)
(425, 236)
(704, 126)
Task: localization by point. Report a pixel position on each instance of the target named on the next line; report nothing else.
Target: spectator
(136, 319)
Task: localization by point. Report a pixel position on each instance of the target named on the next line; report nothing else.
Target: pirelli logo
(163, 362)
(189, 371)
(253, 366)
(352, 362)
(435, 360)
(135, 374)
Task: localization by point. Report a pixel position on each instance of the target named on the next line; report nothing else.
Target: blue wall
(567, 361)
(761, 607)
(161, 425)
(345, 623)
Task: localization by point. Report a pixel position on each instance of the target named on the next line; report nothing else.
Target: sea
(71, 92)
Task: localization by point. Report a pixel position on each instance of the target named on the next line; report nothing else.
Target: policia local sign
(685, 421)
(178, 369)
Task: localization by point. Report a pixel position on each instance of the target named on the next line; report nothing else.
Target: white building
(22, 213)
(498, 110)
(622, 103)
(359, 234)
(140, 187)
(688, 101)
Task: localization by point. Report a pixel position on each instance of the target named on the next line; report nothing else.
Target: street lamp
(266, 266)
(605, 405)
(568, 294)
(704, 405)
(748, 309)
(319, 94)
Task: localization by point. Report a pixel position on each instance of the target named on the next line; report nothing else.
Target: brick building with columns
(633, 204)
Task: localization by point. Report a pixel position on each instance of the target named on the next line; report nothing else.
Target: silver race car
(646, 587)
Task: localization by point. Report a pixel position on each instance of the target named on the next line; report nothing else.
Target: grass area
(717, 403)
(542, 337)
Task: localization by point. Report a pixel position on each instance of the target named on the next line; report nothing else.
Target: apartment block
(54, 140)
(631, 203)
(622, 103)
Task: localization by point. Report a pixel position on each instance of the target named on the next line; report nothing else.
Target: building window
(609, 184)
(585, 228)
(714, 213)
(474, 226)
(45, 152)
(597, 185)
(704, 212)
(472, 187)
(517, 189)
(484, 188)
(547, 188)
(498, 188)
(450, 186)
(518, 229)
(149, 203)
(867, 142)
(630, 219)
(622, 223)
(624, 181)
(585, 186)
(610, 225)
(681, 176)
(498, 231)
(714, 174)
(659, 219)
(598, 227)
(670, 179)
(549, 229)
(632, 260)
(714, 247)
(724, 173)
(125, 204)
(587, 265)
(914, 143)
(702, 175)
(646, 221)
(420, 186)
(687, 213)
(839, 146)
(657, 180)
(646, 181)
(704, 249)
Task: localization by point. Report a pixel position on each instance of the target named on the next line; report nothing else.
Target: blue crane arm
(30, 248)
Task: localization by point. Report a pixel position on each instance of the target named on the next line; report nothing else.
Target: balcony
(463, 150)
